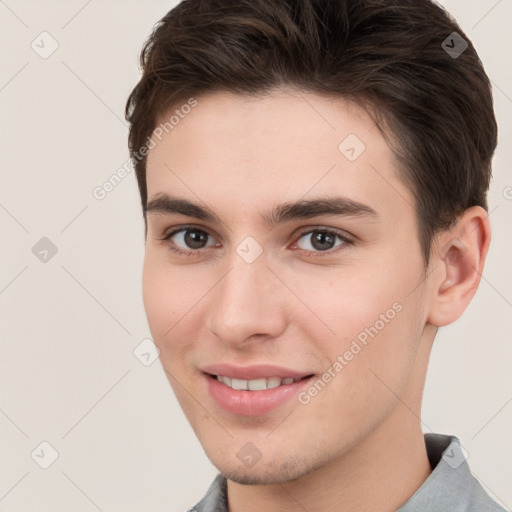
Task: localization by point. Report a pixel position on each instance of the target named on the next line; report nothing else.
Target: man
(313, 177)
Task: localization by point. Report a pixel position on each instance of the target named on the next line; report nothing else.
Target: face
(282, 260)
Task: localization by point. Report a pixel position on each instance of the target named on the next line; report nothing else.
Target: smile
(253, 397)
(256, 384)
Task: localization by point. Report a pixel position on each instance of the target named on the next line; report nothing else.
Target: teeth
(273, 382)
(238, 384)
(224, 380)
(256, 384)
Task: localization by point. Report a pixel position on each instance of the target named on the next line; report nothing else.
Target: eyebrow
(301, 209)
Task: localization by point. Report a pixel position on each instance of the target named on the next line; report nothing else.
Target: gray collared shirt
(450, 487)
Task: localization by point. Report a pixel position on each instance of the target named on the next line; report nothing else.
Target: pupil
(195, 239)
(322, 241)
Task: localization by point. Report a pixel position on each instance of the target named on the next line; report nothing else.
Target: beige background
(68, 374)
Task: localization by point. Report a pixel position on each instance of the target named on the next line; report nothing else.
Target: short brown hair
(387, 55)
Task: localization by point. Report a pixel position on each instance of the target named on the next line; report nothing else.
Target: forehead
(268, 149)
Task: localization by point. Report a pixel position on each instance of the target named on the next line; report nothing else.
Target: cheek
(345, 303)
(157, 296)
(369, 316)
(167, 302)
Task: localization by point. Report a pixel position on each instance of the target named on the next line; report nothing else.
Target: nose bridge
(242, 304)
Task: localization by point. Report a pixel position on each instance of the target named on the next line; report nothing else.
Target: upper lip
(258, 371)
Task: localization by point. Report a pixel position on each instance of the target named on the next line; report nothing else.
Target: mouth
(261, 384)
(253, 391)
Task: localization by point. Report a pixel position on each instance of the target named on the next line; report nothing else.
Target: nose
(247, 305)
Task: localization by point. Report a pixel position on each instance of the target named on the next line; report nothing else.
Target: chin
(266, 472)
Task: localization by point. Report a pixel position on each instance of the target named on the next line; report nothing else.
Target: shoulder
(451, 486)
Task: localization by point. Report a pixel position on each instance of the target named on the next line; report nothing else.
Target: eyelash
(311, 254)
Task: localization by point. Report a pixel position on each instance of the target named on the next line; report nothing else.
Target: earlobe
(458, 263)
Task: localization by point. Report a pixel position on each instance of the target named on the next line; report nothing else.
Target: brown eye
(320, 240)
(195, 239)
(191, 239)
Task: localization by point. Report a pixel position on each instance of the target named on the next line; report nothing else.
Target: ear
(457, 261)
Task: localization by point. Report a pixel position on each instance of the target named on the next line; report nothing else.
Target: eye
(321, 240)
(188, 240)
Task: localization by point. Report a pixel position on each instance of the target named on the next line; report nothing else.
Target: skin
(358, 444)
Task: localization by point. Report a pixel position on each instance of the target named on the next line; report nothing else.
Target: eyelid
(168, 233)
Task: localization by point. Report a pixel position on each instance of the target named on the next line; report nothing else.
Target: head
(313, 176)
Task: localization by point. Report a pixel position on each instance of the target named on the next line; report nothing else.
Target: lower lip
(252, 403)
